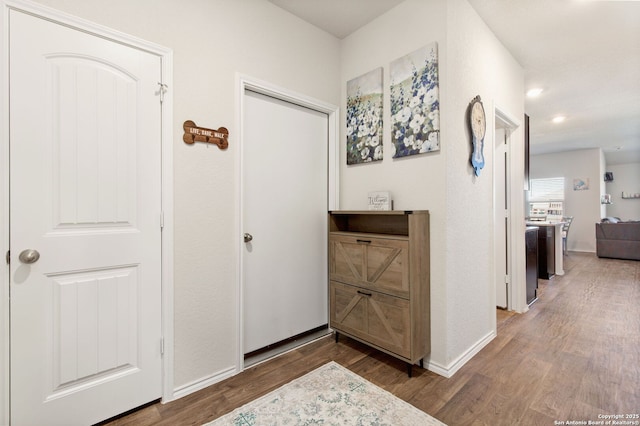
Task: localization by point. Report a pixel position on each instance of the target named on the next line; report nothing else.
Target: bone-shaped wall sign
(193, 133)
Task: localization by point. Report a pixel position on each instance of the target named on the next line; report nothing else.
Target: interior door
(284, 174)
(501, 220)
(85, 225)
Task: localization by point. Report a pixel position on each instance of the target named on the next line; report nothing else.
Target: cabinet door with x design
(375, 263)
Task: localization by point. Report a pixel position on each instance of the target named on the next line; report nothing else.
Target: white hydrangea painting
(415, 104)
(364, 118)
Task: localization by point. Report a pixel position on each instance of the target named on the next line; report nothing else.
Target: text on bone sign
(193, 133)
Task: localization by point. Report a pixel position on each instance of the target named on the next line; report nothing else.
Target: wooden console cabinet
(379, 280)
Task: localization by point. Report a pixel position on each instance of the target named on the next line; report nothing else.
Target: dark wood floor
(574, 356)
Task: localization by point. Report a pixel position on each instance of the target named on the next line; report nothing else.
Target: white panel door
(501, 223)
(284, 172)
(85, 194)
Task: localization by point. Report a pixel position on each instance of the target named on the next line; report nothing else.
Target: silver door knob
(29, 256)
(247, 237)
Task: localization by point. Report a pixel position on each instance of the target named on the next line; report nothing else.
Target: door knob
(247, 237)
(29, 256)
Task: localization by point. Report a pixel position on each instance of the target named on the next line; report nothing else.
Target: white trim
(168, 229)
(72, 21)
(497, 118)
(203, 382)
(516, 299)
(166, 57)
(334, 160)
(451, 369)
(507, 119)
(243, 83)
(207, 381)
(4, 217)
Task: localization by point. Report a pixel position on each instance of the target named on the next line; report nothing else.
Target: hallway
(574, 356)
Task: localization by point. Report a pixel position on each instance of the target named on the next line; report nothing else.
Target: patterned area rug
(329, 395)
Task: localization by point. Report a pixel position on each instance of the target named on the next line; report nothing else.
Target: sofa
(617, 239)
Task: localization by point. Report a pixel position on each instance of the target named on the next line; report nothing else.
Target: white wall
(478, 63)
(415, 183)
(212, 40)
(584, 205)
(471, 62)
(626, 178)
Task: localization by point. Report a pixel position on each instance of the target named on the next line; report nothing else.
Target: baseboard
(451, 369)
(202, 383)
(445, 371)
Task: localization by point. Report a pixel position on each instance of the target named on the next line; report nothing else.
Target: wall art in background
(415, 104)
(364, 118)
(580, 184)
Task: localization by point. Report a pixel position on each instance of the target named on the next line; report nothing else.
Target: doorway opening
(504, 127)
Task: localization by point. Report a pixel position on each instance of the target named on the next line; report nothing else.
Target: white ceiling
(584, 54)
(337, 17)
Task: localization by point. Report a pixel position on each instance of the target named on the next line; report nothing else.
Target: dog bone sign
(193, 133)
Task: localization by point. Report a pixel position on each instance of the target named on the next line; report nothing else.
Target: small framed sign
(380, 200)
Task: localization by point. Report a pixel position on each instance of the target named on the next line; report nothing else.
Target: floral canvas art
(364, 118)
(415, 104)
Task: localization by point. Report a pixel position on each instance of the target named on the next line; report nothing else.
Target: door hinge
(162, 346)
(161, 220)
(163, 89)
(8, 257)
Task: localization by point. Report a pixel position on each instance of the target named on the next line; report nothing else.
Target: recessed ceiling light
(532, 93)
(559, 119)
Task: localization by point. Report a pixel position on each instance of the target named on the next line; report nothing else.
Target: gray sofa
(619, 240)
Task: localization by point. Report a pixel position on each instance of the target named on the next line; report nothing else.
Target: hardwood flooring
(574, 356)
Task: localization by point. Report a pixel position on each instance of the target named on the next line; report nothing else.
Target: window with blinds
(548, 189)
